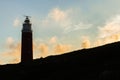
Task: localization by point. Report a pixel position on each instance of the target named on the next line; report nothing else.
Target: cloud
(13, 50)
(62, 48)
(52, 46)
(64, 20)
(98, 42)
(58, 15)
(78, 26)
(53, 40)
(110, 39)
(10, 42)
(57, 18)
(82, 26)
(106, 40)
(85, 42)
(111, 27)
(16, 22)
(1, 62)
(12, 55)
(43, 50)
(110, 32)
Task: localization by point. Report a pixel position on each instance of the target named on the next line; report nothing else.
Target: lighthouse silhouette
(26, 46)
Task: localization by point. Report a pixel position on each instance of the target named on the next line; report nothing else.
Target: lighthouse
(26, 46)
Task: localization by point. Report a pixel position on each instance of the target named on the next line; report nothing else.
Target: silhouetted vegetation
(100, 63)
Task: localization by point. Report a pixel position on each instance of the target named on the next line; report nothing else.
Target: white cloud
(16, 22)
(53, 40)
(64, 19)
(10, 42)
(82, 26)
(57, 17)
(79, 26)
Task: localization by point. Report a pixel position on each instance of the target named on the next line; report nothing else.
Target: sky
(59, 26)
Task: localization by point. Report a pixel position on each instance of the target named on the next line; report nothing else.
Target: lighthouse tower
(26, 46)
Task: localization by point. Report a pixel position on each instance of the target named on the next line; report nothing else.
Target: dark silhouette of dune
(99, 63)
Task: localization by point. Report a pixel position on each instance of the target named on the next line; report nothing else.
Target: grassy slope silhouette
(99, 63)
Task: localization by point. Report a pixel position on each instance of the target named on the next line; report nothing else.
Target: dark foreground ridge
(100, 63)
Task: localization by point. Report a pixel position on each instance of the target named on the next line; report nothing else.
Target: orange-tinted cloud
(61, 48)
(111, 27)
(85, 42)
(12, 55)
(52, 47)
(43, 50)
(110, 32)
